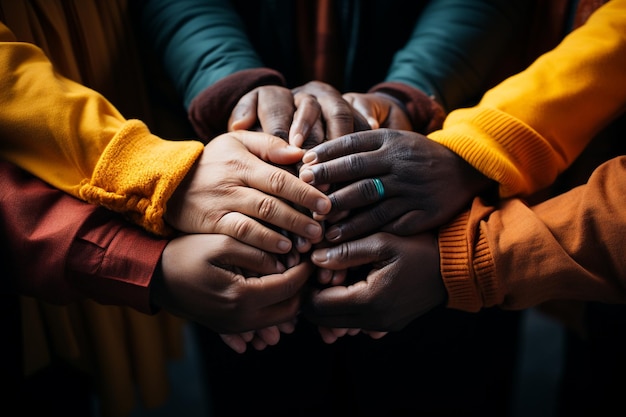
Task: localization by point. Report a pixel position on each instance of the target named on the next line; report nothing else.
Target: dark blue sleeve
(199, 41)
(455, 46)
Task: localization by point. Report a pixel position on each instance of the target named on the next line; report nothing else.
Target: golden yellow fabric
(522, 133)
(99, 155)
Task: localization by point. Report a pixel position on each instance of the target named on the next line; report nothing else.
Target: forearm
(456, 46)
(575, 90)
(60, 249)
(201, 42)
(74, 139)
(515, 256)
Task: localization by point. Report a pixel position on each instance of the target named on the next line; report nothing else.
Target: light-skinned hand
(232, 190)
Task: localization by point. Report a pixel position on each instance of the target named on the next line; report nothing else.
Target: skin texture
(425, 183)
(234, 299)
(389, 294)
(304, 116)
(231, 190)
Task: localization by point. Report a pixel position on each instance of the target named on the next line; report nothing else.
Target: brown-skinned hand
(199, 278)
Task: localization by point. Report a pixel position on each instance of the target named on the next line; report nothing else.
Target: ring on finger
(380, 188)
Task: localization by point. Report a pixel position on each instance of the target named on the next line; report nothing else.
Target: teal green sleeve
(200, 42)
(455, 46)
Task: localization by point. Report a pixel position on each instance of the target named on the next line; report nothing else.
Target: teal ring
(379, 188)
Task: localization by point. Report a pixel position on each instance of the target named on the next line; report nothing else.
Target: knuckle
(266, 208)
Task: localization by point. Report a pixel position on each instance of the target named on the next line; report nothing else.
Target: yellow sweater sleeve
(73, 138)
(528, 129)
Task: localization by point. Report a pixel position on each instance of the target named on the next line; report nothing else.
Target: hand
(380, 110)
(337, 114)
(425, 184)
(275, 110)
(403, 283)
(231, 190)
(199, 279)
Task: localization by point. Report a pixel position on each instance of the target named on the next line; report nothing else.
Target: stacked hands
(314, 204)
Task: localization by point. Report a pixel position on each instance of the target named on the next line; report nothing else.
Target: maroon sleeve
(60, 249)
(210, 110)
(425, 113)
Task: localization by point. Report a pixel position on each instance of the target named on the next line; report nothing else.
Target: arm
(451, 56)
(207, 54)
(60, 249)
(515, 256)
(74, 139)
(525, 147)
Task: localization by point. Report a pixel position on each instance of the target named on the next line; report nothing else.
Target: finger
(277, 181)
(374, 334)
(344, 146)
(349, 254)
(337, 114)
(327, 335)
(244, 115)
(364, 108)
(274, 289)
(245, 257)
(258, 344)
(269, 335)
(268, 209)
(276, 110)
(235, 342)
(287, 327)
(365, 222)
(308, 112)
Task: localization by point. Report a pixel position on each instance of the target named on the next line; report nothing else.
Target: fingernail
(322, 206)
(307, 176)
(297, 140)
(333, 233)
(320, 256)
(309, 157)
(284, 245)
(313, 230)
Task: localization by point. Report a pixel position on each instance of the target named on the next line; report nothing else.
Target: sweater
(524, 133)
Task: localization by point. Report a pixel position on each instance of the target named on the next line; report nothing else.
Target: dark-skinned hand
(425, 183)
(402, 283)
(304, 116)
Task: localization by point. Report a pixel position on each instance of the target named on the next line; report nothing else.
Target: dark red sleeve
(425, 113)
(59, 249)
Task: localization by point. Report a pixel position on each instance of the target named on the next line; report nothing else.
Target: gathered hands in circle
(312, 183)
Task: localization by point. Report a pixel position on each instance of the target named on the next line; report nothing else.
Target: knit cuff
(137, 174)
(456, 270)
(210, 110)
(425, 113)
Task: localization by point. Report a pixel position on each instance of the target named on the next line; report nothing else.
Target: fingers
(270, 106)
(276, 110)
(363, 106)
(306, 125)
(271, 290)
(345, 159)
(244, 115)
(236, 342)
